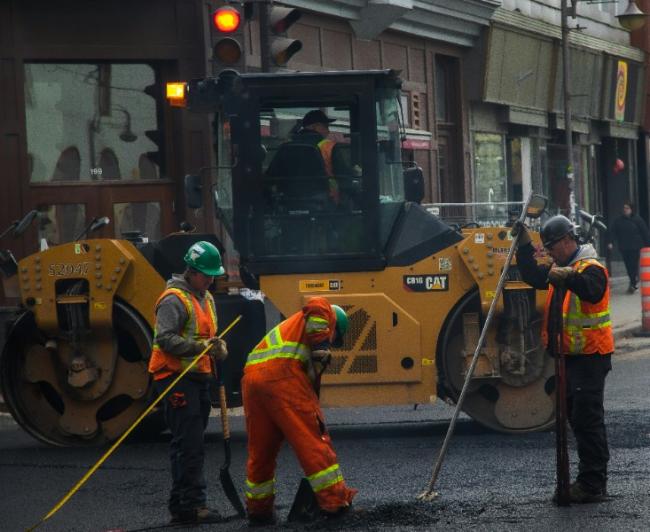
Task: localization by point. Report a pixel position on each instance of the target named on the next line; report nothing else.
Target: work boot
(339, 512)
(262, 519)
(197, 516)
(580, 494)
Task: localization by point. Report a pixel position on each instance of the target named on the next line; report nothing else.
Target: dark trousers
(585, 390)
(631, 260)
(187, 407)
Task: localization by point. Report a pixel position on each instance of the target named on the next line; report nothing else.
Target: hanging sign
(621, 91)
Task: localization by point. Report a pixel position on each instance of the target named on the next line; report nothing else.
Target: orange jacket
(200, 325)
(587, 327)
(291, 342)
(326, 147)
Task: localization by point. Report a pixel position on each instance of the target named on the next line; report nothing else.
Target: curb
(627, 331)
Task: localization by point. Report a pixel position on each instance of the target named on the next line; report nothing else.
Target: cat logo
(426, 283)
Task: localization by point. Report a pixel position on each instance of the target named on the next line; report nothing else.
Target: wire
(99, 462)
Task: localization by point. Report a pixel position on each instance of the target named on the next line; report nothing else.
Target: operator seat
(296, 178)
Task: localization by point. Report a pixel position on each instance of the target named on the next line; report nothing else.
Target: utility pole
(566, 82)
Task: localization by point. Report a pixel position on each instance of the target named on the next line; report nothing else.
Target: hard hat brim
(213, 272)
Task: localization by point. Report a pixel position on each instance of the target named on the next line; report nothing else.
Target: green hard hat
(204, 257)
(342, 324)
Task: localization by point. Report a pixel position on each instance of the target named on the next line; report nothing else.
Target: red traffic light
(226, 19)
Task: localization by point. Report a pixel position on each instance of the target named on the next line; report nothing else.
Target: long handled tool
(128, 431)
(224, 472)
(561, 448)
(534, 211)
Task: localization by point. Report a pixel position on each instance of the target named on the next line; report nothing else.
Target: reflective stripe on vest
(587, 327)
(200, 325)
(261, 490)
(277, 348)
(576, 322)
(325, 478)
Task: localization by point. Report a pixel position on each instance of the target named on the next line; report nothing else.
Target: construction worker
(315, 130)
(280, 392)
(186, 323)
(587, 341)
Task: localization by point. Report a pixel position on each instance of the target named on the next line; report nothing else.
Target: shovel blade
(231, 492)
(304, 507)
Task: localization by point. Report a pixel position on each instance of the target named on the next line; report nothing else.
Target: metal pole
(561, 448)
(429, 494)
(265, 38)
(566, 82)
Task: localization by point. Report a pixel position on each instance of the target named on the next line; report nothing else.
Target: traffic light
(227, 31)
(282, 48)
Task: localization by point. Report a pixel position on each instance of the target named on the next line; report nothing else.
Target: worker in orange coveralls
(279, 387)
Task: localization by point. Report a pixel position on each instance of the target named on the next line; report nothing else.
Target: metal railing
(485, 214)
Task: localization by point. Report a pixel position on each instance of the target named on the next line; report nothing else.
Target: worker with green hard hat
(186, 324)
(280, 390)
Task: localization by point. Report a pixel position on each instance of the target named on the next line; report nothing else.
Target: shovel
(224, 472)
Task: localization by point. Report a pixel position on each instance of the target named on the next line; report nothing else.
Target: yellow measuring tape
(94, 468)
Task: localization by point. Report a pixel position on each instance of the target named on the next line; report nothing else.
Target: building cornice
(456, 22)
(521, 22)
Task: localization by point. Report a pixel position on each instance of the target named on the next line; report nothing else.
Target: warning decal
(426, 283)
(320, 285)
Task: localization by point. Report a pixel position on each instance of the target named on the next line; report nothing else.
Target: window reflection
(143, 217)
(90, 122)
(61, 223)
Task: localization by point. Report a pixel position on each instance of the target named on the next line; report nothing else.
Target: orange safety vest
(200, 325)
(326, 147)
(587, 327)
(291, 340)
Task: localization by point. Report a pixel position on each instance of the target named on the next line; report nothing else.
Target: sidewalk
(626, 308)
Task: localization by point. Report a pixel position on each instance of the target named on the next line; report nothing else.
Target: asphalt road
(489, 481)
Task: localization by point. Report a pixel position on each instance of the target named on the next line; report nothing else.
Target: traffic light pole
(265, 38)
(566, 82)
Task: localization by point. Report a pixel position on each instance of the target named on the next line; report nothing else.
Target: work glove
(218, 349)
(519, 227)
(558, 276)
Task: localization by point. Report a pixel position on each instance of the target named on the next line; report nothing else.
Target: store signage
(621, 91)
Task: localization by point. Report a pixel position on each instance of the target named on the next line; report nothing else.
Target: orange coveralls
(280, 402)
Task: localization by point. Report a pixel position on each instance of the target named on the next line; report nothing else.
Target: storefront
(517, 121)
(84, 129)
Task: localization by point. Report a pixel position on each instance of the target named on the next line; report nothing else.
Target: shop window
(85, 122)
(490, 175)
(61, 223)
(142, 217)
